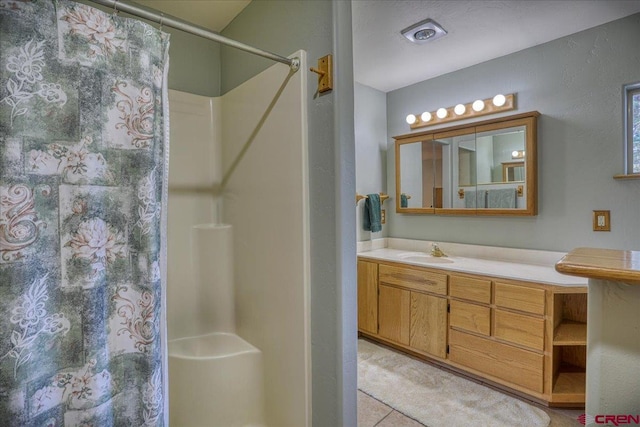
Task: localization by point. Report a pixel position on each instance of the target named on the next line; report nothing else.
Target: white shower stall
(238, 254)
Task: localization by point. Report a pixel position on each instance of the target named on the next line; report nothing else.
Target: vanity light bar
(477, 108)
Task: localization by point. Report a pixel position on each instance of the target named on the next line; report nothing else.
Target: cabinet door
(519, 329)
(470, 288)
(368, 297)
(428, 331)
(394, 314)
(470, 317)
(508, 363)
(521, 298)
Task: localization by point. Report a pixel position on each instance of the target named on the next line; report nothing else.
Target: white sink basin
(423, 257)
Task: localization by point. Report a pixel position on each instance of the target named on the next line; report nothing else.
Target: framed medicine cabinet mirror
(482, 168)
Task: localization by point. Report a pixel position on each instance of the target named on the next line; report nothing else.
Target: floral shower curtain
(83, 178)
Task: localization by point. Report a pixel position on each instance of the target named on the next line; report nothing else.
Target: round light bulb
(499, 100)
(514, 154)
(460, 109)
(424, 34)
(441, 113)
(426, 116)
(478, 105)
(411, 119)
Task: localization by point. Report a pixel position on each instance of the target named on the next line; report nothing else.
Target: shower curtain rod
(177, 23)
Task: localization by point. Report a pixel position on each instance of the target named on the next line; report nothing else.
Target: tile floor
(372, 412)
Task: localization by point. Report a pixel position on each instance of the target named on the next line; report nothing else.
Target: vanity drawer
(412, 278)
(520, 298)
(470, 317)
(519, 329)
(511, 364)
(470, 289)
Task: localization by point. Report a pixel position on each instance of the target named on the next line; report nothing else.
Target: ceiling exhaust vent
(424, 31)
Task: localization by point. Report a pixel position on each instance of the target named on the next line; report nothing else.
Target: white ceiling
(478, 30)
(211, 14)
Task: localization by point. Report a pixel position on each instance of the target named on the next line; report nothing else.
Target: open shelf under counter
(612, 336)
(570, 333)
(569, 387)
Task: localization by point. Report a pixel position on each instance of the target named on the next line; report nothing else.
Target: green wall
(194, 61)
(194, 64)
(370, 107)
(278, 26)
(575, 82)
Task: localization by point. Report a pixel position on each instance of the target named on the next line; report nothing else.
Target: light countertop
(533, 266)
(603, 264)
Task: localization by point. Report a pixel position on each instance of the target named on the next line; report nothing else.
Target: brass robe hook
(325, 73)
(320, 72)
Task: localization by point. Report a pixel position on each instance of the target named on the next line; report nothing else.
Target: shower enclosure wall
(241, 159)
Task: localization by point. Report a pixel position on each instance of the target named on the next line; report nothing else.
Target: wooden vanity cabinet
(470, 317)
(519, 315)
(521, 369)
(528, 337)
(394, 305)
(412, 308)
(567, 378)
(413, 319)
(496, 331)
(428, 329)
(368, 297)
(469, 304)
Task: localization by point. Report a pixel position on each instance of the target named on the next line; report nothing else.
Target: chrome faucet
(436, 251)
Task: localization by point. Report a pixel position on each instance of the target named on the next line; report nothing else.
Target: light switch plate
(383, 216)
(601, 221)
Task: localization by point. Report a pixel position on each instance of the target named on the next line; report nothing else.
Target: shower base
(215, 380)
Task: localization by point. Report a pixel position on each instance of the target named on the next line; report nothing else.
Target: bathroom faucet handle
(436, 251)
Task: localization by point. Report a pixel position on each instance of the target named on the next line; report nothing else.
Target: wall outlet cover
(601, 221)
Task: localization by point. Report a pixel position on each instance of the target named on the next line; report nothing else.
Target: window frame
(629, 91)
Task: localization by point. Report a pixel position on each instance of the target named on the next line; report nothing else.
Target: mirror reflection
(513, 171)
(421, 172)
(501, 155)
(486, 168)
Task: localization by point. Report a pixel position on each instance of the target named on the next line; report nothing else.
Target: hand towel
(469, 198)
(404, 202)
(505, 198)
(482, 199)
(372, 221)
(475, 199)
